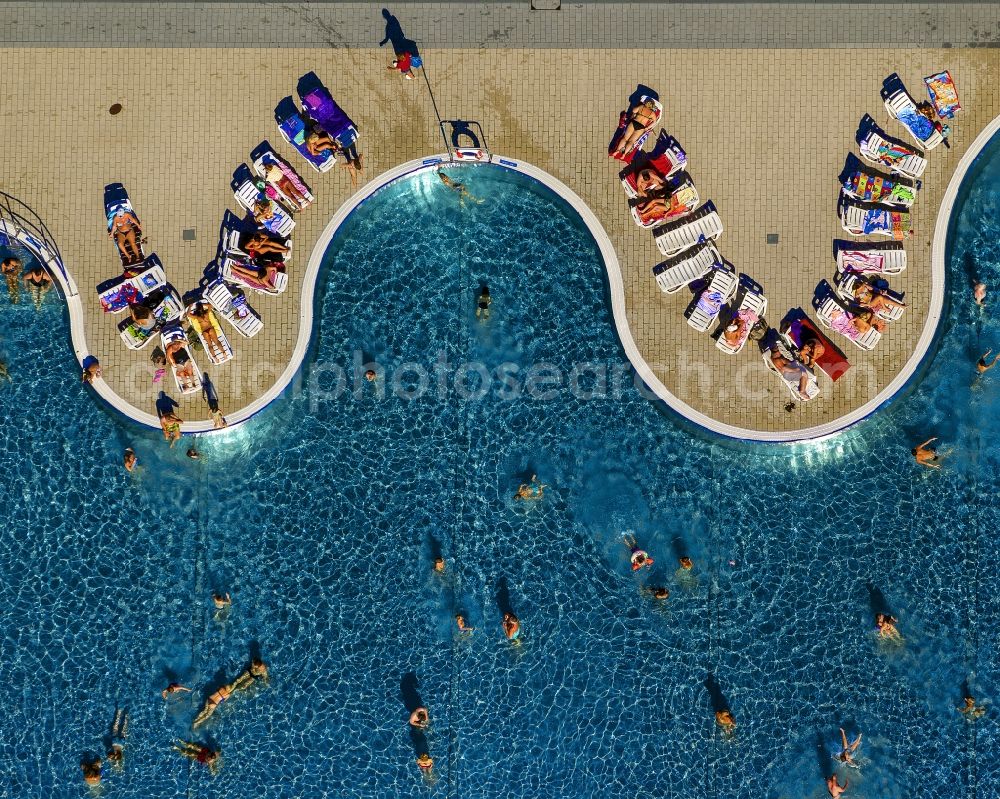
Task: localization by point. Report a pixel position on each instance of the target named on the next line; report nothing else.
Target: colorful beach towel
(919, 125)
(880, 220)
(877, 189)
(943, 94)
(863, 262)
(710, 302)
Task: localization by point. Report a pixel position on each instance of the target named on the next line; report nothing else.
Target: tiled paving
(766, 133)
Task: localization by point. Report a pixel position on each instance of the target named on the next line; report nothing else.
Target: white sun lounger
(834, 316)
(230, 243)
(234, 308)
(720, 290)
(226, 269)
(113, 299)
(185, 385)
(685, 195)
(877, 150)
(900, 104)
(848, 283)
(281, 223)
(884, 260)
(675, 273)
(263, 156)
(168, 309)
(752, 309)
(812, 385)
(217, 354)
(702, 225)
(855, 218)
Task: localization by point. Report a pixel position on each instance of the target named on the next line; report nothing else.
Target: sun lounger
(681, 198)
(116, 201)
(234, 308)
(675, 273)
(861, 219)
(677, 236)
(751, 310)
(186, 376)
(117, 294)
(277, 286)
(720, 290)
(848, 283)
(887, 259)
(319, 104)
(165, 306)
(943, 94)
(624, 124)
(265, 158)
(868, 185)
(801, 330)
(792, 376)
(876, 147)
(246, 193)
(233, 240)
(294, 129)
(900, 105)
(666, 158)
(834, 316)
(218, 353)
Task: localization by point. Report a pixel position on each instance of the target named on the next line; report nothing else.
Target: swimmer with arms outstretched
(847, 749)
(451, 183)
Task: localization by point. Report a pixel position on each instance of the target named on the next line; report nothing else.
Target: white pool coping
(616, 284)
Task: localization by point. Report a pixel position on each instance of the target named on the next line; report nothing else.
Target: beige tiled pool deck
(766, 131)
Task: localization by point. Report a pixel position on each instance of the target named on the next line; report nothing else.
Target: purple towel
(330, 116)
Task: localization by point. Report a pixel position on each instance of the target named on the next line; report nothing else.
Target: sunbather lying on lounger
(319, 141)
(263, 209)
(274, 175)
(640, 118)
(657, 208)
(264, 249)
(867, 296)
(648, 181)
(810, 352)
(792, 371)
(142, 317)
(736, 330)
(263, 274)
(177, 355)
(123, 227)
(202, 311)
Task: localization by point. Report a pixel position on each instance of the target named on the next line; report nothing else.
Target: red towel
(833, 362)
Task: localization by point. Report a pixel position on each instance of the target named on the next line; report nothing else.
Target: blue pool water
(321, 518)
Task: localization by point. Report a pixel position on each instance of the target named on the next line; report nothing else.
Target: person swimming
(531, 490)
(425, 762)
(117, 734)
(926, 456)
(462, 626)
(199, 753)
(453, 184)
(970, 709)
(91, 771)
(724, 718)
(885, 626)
(639, 558)
(847, 749)
(982, 365)
(835, 788)
(484, 302)
(420, 718)
(130, 460)
(511, 626)
(216, 698)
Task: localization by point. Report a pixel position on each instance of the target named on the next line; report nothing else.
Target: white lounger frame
(893, 259)
(676, 236)
(752, 301)
(724, 281)
(175, 333)
(845, 288)
(900, 101)
(866, 341)
(246, 194)
(223, 300)
(675, 273)
(912, 166)
(852, 219)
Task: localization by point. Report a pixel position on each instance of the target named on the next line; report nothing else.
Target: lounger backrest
(893, 259)
(702, 225)
(677, 272)
(724, 282)
(900, 102)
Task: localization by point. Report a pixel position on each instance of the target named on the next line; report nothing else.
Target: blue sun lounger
(320, 105)
(294, 128)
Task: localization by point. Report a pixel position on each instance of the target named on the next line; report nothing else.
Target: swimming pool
(322, 516)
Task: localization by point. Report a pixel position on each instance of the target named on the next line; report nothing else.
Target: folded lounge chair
(791, 375)
(186, 373)
(675, 273)
(234, 308)
(625, 123)
(681, 198)
(870, 186)
(848, 284)
(720, 290)
(275, 170)
(218, 350)
(876, 147)
(276, 285)
(887, 259)
(666, 158)
(247, 194)
(900, 105)
(834, 316)
(117, 294)
(751, 310)
(294, 129)
(861, 219)
(677, 236)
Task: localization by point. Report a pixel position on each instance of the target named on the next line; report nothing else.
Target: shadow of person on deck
(394, 33)
(165, 404)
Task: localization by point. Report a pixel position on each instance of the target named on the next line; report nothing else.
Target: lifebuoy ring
(470, 155)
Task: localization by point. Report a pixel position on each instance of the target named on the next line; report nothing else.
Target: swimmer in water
(4, 372)
(885, 626)
(91, 771)
(847, 749)
(199, 753)
(370, 376)
(130, 459)
(835, 788)
(531, 490)
(439, 565)
(639, 557)
(982, 365)
(661, 593)
(686, 563)
(970, 709)
(420, 718)
(215, 699)
(925, 455)
(453, 184)
(91, 371)
(724, 718)
(221, 601)
(484, 302)
(173, 688)
(12, 272)
(425, 762)
(979, 294)
(118, 732)
(462, 626)
(193, 454)
(511, 626)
